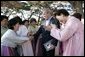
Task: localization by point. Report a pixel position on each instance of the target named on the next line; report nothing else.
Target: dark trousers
(48, 53)
(16, 51)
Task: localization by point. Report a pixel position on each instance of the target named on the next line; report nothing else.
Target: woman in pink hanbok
(71, 36)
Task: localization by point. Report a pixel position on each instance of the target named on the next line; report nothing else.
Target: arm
(17, 39)
(66, 33)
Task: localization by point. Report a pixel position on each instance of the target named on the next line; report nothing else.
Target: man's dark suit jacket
(46, 34)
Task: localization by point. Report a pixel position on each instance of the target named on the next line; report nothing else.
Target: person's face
(26, 23)
(4, 22)
(45, 15)
(16, 27)
(33, 23)
(61, 18)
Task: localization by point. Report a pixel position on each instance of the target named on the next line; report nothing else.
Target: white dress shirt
(47, 21)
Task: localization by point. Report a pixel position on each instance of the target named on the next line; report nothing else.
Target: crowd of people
(58, 35)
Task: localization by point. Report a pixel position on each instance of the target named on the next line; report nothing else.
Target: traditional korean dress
(25, 48)
(9, 41)
(72, 37)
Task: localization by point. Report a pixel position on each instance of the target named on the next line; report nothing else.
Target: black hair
(77, 15)
(62, 11)
(12, 22)
(18, 19)
(3, 17)
(25, 21)
(56, 22)
(32, 20)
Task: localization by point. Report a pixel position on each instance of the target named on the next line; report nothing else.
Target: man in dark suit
(45, 35)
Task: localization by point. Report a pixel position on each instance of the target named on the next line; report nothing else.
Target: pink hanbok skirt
(7, 51)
